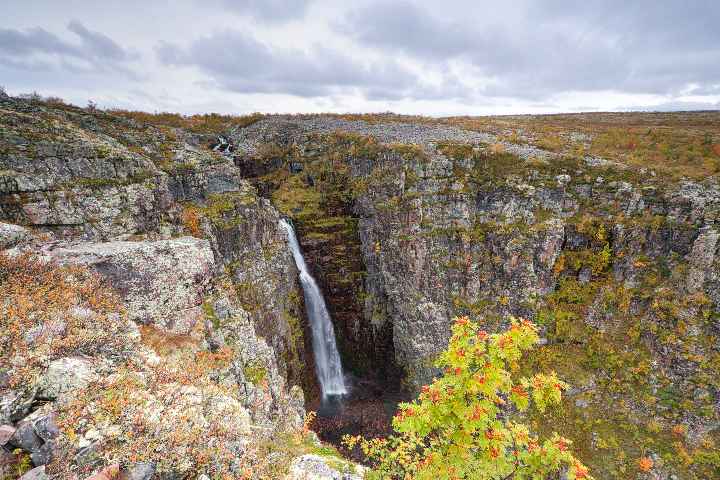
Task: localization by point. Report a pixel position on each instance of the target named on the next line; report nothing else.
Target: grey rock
(15, 404)
(314, 467)
(701, 258)
(46, 427)
(585, 275)
(12, 235)
(44, 454)
(64, 376)
(26, 438)
(162, 282)
(138, 471)
(6, 433)
(562, 180)
(37, 473)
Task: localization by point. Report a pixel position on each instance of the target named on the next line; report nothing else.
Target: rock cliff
(618, 265)
(152, 316)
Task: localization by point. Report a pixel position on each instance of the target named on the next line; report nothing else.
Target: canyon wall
(619, 266)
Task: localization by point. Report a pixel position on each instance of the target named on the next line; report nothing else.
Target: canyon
(173, 341)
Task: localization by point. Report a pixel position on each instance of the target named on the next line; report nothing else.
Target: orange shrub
(645, 464)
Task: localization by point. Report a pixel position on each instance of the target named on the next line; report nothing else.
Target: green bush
(461, 428)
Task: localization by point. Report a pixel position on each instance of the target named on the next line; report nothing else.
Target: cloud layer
(39, 48)
(412, 56)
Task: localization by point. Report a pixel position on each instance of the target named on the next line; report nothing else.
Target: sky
(437, 57)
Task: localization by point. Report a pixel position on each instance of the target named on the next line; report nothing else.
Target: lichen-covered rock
(255, 371)
(138, 471)
(315, 467)
(6, 433)
(163, 282)
(702, 259)
(12, 235)
(37, 473)
(64, 377)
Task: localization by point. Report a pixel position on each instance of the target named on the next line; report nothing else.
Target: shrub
(461, 428)
(191, 221)
(52, 311)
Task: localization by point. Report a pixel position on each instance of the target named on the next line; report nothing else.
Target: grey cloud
(98, 44)
(17, 43)
(546, 47)
(100, 51)
(249, 66)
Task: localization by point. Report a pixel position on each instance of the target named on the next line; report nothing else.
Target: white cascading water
(327, 359)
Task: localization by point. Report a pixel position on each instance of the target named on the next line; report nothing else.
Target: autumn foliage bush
(50, 311)
(462, 427)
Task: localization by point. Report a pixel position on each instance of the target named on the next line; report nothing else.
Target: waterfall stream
(327, 359)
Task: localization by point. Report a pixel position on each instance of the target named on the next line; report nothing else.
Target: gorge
(163, 317)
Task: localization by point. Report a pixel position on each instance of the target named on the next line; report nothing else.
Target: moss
(255, 372)
(223, 210)
(455, 150)
(209, 312)
(248, 294)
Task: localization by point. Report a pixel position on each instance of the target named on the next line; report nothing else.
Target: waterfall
(327, 358)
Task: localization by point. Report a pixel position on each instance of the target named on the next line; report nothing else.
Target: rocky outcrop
(163, 283)
(207, 350)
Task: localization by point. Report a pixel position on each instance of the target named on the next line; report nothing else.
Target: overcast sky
(437, 57)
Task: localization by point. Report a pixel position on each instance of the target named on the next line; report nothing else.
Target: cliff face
(618, 265)
(205, 357)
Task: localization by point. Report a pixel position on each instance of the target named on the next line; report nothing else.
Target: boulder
(46, 427)
(314, 467)
(44, 454)
(12, 235)
(37, 473)
(15, 404)
(6, 433)
(163, 282)
(138, 471)
(64, 376)
(26, 438)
